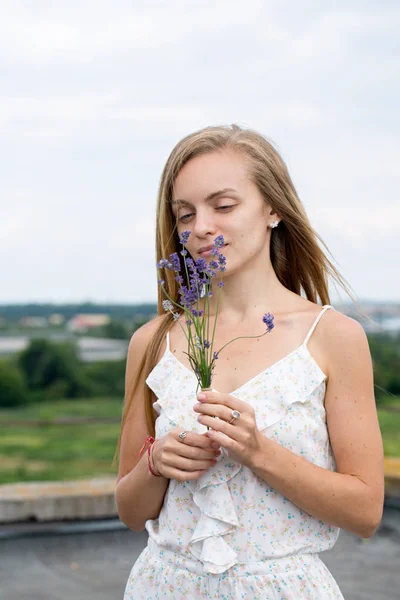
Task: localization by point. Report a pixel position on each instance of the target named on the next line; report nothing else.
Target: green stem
(242, 337)
(189, 318)
(175, 303)
(215, 321)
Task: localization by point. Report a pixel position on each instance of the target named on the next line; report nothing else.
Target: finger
(220, 425)
(195, 453)
(194, 439)
(214, 410)
(226, 399)
(214, 444)
(222, 439)
(183, 475)
(188, 464)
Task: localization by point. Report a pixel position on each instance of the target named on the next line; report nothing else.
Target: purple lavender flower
(167, 305)
(219, 241)
(201, 265)
(190, 264)
(176, 263)
(198, 278)
(220, 284)
(222, 259)
(164, 264)
(268, 319)
(184, 237)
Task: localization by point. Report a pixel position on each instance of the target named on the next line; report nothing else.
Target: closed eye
(218, 208)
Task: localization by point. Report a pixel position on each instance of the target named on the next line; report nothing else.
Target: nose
(203, 224)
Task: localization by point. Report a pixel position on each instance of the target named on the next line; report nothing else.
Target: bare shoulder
(339, 328)
(342, 338)
(136, 349)
(145, 332)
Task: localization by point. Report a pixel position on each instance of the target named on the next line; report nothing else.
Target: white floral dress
(229, 535)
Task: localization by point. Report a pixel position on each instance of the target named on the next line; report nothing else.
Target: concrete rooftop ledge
(95, 498)
(64, 500)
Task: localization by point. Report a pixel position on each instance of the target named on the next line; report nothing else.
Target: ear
(273, 219)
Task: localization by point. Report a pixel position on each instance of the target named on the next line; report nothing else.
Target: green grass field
(91, 407)
(59, 452)
(79, 451)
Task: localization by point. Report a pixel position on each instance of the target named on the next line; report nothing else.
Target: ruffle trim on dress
(211, 493)
(271, 400)
(217, 518)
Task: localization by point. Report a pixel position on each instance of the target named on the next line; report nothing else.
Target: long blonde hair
(299, 262)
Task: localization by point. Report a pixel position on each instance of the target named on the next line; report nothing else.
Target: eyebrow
(211, 196)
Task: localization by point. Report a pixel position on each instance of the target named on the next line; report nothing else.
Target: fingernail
(215, 445)
(197, 406)
(201, 396)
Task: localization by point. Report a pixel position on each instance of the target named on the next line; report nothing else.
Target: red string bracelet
(149, 441)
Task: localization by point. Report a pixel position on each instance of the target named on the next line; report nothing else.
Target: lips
(206, 249)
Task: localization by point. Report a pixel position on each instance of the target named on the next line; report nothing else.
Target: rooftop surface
(67, 561)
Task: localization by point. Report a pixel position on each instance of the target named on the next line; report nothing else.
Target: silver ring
(235, 415)
(182, 435)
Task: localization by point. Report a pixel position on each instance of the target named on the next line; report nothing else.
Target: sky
(95, 95)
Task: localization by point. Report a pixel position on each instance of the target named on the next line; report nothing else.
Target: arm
(139, 495)
(352, 497)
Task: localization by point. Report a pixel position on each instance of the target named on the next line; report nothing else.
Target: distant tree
(13, 389)
(107, 378)
(385, 352)
(53, 367)
(116, 330)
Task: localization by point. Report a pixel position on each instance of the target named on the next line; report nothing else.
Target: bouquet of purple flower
(201, 352)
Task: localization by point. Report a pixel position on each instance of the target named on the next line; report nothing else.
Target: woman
(242, 509)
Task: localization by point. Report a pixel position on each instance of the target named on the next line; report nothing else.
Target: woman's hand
(241, 438)
(184, 460)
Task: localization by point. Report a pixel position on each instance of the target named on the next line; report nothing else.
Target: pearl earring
(274, 224)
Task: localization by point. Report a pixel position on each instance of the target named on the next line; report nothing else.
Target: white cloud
(359, 225)
(95, 97)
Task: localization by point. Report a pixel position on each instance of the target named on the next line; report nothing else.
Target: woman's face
(213, 196)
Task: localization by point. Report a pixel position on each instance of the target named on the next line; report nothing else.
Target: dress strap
(167, 340)
(309, 334)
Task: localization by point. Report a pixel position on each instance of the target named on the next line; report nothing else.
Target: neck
(246, 297)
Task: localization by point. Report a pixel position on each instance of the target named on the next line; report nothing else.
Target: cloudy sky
(95, 94)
